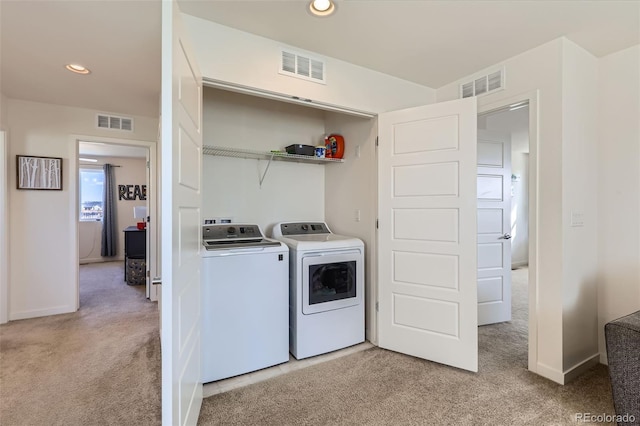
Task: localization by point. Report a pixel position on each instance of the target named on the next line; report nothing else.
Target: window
(91, 184)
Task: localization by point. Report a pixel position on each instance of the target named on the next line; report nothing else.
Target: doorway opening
(132, 204)
(508, 339)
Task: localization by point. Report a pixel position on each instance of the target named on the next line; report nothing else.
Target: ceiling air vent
(483, 85)
(302, 66)
(114, 122)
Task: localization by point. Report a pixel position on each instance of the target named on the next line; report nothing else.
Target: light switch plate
(577, 219)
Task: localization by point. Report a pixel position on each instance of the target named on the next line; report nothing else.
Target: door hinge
(377, 223)
(376, 141)
(147, 164)
(148, 274)
(377, 306)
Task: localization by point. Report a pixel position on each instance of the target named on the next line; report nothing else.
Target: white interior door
(181, 149)
(494, 227)
(427, 233)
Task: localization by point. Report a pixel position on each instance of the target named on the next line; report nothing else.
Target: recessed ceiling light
(91, 160)
(322, 7)
(78, 69)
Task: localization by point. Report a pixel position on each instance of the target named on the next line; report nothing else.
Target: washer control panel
(226, 231)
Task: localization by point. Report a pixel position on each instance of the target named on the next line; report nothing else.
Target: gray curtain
(109, 225)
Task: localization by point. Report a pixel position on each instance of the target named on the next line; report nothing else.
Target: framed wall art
(39, 172)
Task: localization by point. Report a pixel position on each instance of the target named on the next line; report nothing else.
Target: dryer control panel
(304, 228)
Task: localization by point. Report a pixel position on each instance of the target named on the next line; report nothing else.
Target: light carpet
(97, 366)
(101, 366)
(379, 387)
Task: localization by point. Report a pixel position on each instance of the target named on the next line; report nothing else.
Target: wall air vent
(113, 122)
(482, 85)
(302, 66)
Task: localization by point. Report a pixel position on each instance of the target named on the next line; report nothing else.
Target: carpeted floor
(97, 366)
(379, 387)
(101, 366)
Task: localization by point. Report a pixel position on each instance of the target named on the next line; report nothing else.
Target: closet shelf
(265, 155)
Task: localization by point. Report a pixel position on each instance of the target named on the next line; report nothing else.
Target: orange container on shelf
(334, 146)
(327, 148)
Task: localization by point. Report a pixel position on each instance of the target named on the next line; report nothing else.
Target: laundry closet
(243, 182)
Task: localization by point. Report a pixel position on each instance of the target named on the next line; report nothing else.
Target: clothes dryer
(326, 288)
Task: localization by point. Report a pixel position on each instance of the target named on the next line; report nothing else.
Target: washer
(245, 293)
(326, 288)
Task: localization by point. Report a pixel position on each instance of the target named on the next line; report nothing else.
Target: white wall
(4, 261)
(132, 171)
(42, 224)
(351, 197)
(618, 188)
(235, 56)
(89, 242)
(290, 191)
(579, 196)
(540, 69)
(578, 171)
(4, 238)
(3, 111)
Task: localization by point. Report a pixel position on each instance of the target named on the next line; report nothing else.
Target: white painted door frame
(486, 106)
(152, 201)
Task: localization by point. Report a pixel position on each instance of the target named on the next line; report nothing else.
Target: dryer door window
(332, 281)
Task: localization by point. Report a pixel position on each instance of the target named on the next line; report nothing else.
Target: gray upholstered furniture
(623, 353)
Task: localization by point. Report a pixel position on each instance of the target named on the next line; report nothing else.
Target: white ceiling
(431, 42)
(118, 40)
(428, 42)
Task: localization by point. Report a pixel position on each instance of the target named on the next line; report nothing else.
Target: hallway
(99, 365)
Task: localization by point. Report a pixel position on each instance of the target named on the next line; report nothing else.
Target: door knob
(505, 237)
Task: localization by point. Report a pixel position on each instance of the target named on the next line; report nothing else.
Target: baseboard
(570, 374)
(100, 260)
(603, 358)
(550, 373)
(35, 313)
(91, 260)
(578, 369)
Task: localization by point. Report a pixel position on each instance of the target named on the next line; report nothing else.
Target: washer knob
(231, 230)
(304, 227)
